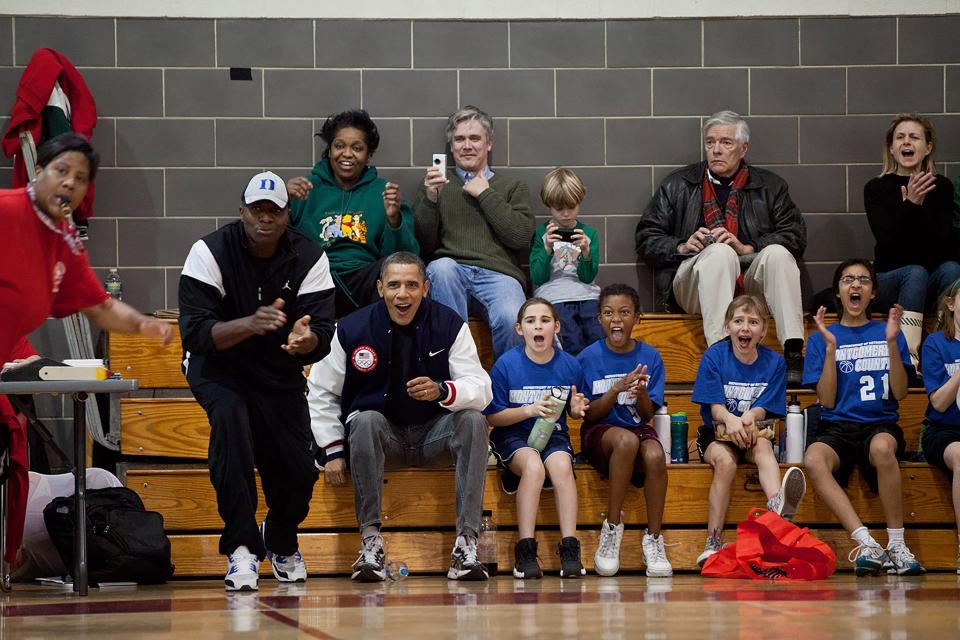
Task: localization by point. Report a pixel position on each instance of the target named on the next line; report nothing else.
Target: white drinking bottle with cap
(661, 424)
(795, 434)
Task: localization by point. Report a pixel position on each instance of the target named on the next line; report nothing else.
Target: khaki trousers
(705, 283)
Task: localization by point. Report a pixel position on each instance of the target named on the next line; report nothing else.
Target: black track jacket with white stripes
(220, 282)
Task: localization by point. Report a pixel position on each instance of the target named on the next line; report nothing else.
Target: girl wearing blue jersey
(522, 379)
(739, 383)
(623, 379)
(859, 368)
(941, 376)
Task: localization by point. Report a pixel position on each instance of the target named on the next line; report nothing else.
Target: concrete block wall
(621, 101)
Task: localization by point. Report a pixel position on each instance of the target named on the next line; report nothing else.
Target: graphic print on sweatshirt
(350, 225)
(624, 399)
(566, 256)
(741, 395)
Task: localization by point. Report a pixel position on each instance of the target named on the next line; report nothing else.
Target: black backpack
(125, 543)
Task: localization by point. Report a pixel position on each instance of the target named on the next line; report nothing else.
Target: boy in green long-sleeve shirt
(564, 259)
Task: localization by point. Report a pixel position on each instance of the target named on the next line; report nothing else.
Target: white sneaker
(712, 546)
(464, 564)
(285, 568)
(242, 570)
(901, 561)
(288, 568)
(655, 557)
(788, 499)
(868, 559)
(606, 561)
(369, 566)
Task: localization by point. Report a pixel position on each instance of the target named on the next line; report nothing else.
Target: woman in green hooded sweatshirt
(357, 217)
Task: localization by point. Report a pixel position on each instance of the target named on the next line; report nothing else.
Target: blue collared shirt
(467, 176)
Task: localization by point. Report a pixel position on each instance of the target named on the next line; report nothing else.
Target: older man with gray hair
(721, 227)
(475, 225)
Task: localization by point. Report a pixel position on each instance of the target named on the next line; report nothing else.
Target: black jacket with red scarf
(767, 216)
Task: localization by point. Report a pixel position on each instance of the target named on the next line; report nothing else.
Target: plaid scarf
(728, 217)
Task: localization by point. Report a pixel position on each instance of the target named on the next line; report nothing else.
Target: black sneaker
(525, 559)
(794, 368)
(464, 564)
(569, 552)
(369, 566)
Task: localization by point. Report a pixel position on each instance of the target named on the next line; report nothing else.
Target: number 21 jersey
(863, 372)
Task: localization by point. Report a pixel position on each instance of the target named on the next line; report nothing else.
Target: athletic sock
(863, 537)
(894, 535)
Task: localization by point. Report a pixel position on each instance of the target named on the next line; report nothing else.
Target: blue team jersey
(941, 359)
(722, 379)
(518, 381)
(602, 367)
(863, 372)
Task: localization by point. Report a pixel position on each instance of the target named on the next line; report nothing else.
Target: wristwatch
(444, 390)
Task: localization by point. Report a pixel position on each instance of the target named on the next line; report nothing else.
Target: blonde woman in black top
(910, 210)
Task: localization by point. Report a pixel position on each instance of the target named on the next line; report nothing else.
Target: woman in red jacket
(44, 272)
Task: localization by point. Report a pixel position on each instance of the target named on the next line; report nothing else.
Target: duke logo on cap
(266, 186)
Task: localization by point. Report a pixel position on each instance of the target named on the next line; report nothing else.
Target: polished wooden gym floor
(423, 607)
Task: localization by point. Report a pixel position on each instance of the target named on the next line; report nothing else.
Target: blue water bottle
(678, 439)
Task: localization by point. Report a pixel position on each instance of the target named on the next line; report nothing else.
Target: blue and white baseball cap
(266, 186)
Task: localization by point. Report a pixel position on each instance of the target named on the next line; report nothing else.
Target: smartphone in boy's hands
(566, 235)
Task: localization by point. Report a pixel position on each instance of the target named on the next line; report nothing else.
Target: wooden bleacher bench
(178, 428)
(418, 505)
(418, 523)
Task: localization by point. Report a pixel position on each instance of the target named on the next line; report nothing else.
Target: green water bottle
(678, 438)
(543, 428)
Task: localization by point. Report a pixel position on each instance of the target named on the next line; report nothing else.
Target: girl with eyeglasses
(910, 210)
(940, 441)
(859, 368)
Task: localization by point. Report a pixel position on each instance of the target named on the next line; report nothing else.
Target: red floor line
(290, 622)
(721, 592)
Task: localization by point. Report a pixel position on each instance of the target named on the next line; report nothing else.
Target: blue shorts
(507, 441)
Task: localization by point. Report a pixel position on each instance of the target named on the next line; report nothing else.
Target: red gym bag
(771, 548)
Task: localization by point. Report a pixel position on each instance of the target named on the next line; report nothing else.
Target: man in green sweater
(474, 226)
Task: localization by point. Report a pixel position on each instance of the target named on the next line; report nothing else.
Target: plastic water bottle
(661, 424)
(795, 434)
(397, 570)
(487, 542)
(543, 427)
(113, 285)
(679, 431)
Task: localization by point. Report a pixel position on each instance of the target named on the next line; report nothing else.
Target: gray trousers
(375, 445)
